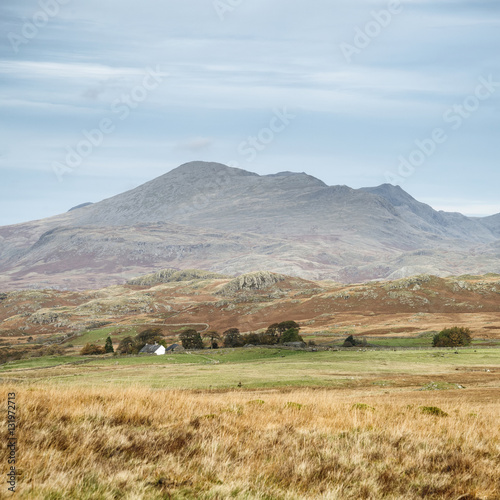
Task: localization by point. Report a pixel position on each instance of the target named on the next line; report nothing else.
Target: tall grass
(139, 443)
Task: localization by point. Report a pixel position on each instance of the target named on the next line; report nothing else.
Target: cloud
(196, 144)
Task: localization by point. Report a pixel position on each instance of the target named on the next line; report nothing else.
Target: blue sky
(357, 82)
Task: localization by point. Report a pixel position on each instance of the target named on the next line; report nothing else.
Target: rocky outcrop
(174, 275)
(47, 317)
(251, 281)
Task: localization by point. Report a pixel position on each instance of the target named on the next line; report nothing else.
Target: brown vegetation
(324, 309)
(142, 443)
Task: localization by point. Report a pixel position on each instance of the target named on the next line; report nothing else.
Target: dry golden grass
(139, 443)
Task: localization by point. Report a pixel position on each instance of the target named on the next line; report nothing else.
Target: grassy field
(99, 336)
(258, 424)
(135, 443)
(256, 367)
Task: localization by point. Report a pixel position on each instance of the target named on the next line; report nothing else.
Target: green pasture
(251, 367)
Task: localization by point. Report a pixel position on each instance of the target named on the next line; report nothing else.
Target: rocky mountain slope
(230, 221)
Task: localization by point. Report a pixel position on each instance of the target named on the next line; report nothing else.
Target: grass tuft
(433, 410)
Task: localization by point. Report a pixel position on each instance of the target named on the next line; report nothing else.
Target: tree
(232, 338)
(272, 333)
(108, 347)
(90, 349)
(276, 330)
(452, 337)
(149, 336)
(286, 325)
(191, 339)
(291, 335)
(250, 338)
(127, 346)
(214, 337)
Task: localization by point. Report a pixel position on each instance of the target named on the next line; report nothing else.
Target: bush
(90, 349)
(433, 410)
(362, 407)
(268, 339)
(452, 337)
(353, 342)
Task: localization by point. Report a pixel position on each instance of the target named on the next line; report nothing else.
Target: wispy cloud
(224, 79)
(196, 144)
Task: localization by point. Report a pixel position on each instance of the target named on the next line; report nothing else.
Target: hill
(407, 307)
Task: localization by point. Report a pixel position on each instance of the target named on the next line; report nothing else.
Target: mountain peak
(394, 194)
(207, 168)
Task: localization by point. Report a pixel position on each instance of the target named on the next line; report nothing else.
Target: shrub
(268, 339)
(293, 406)
(433, 410)
(90, 349)
(362, 406)
(452, 337)
(354, 342)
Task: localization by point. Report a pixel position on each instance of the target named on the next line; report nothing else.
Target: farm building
(153, 349)
(175, 348)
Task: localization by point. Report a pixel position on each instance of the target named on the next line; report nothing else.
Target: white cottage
(153, 349)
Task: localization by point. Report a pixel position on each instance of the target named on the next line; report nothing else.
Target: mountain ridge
(227, 220)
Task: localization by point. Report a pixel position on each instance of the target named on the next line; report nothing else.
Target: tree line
(277, 333)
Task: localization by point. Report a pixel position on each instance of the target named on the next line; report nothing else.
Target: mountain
(493, 224)
(227, 220)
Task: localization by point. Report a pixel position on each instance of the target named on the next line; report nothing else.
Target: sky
(98, 97)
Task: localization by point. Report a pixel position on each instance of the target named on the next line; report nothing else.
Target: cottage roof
(150, 348)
